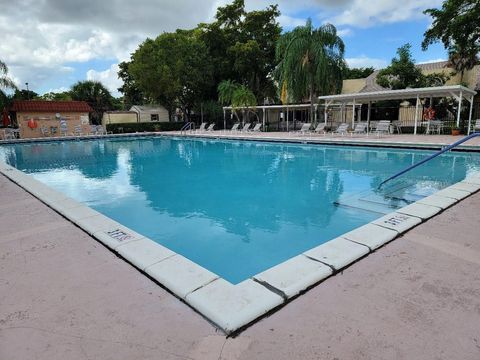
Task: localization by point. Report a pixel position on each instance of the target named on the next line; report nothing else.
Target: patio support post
(470, 115)
(368, 116)
(325, 112)
(287, 118)
(341, 112)
(263, 126)
(459, 108)
(416, 115)
(224, 121)
(353, 114)
(315, 114)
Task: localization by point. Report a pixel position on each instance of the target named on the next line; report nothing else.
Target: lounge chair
(246, 127)
(360, 128)
(93, 130)
(476, 127)
(202, 127)
(77, 130)
(383, 126)
(44, 131)
(63, 128)
(235, 127)
(101, 130)
(304, 129)
(341, 129)
(257, 128)
(210, 127)
(320, 128)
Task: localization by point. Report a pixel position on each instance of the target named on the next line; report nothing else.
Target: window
(153, 117)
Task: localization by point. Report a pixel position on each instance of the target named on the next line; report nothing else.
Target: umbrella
(5, 118)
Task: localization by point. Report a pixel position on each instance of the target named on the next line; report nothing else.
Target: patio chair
(44, 130)
(341, 129)
(77, 130)
(93, 130)
(101, 130)
(476, 127)
(63, 128)
(304, 129)
(257, 128)
(235, 127)
(320, 128)
(202, 127)
(360, 128)
(10, 134)
(246, 127)
(210, 127)
(383, 127)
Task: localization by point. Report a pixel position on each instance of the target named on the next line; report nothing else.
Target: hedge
(144, 127)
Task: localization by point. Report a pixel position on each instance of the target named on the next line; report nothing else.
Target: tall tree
(173, 70)
(241, 46)
(402, 73)
(6, 83)
(95, 94)
(238, 96)
(357, 73)
(310, 61)
(132, 95)
(456, 25)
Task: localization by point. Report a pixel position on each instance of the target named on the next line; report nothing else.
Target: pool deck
(402, 140)
(63, 295)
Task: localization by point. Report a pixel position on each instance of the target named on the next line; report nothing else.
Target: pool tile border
(233, 307)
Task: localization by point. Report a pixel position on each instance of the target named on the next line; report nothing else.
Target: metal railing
(444, 150)
(190, 126)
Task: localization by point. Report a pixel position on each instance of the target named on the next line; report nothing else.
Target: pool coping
(233, 307)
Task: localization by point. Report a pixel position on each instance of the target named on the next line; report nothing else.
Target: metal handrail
(445, 149)
(187, 126)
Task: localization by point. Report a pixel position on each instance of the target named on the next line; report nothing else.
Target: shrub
(144, 127)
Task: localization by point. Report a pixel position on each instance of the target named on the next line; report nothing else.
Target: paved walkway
(402, 139)
(65, 296)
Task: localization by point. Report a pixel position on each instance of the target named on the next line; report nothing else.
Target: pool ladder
(444, 150)
(190, 126)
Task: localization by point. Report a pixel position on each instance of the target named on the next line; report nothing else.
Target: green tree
(173, 70)
(310, 62)
(357, 73)
(54, 96)
(238, 96)
(25, 95)
(131, 93)
(456, 25)
(95, 94)
(5, 81)
(402, 73)
(241, 46)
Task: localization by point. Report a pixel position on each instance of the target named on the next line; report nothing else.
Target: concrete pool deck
(63, 295)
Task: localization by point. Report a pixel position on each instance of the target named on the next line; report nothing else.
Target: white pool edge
(232, 307)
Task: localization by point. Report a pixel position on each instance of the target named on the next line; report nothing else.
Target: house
(39, 118)
(151, 113)
(119, 117)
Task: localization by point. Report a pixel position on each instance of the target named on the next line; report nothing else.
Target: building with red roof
(41, 118)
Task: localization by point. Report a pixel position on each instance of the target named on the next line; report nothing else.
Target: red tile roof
(51, 106)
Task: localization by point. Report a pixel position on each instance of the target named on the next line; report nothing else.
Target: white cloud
(366, 13)
(345, 32)
(364, 61)
(108, 77)
(431, 61)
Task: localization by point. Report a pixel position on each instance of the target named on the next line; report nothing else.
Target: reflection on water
(236, 208)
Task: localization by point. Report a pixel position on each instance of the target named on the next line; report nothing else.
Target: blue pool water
(235, 207)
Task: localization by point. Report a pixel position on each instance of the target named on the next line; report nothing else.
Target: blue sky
(58, 42)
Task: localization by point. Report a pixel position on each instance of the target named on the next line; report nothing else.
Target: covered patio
(354, 100)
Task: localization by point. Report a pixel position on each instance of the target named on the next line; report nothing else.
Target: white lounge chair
(341, 129)
(476, 127)
(44, 131)
(210, 127)
(101, 130)
(360, 128)
(93, 130)
(320, 128)
(246, 127)
(63, 128)
(202, 127)
(77, 130)
(235, 127)
(383, 127)
(304, 129)
(257, 128)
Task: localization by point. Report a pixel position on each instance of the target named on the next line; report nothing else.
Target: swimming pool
(236, 208)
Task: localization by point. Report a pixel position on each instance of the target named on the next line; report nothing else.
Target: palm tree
(5, 81)
(95, 94)
(238, 96)
(310, 61)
